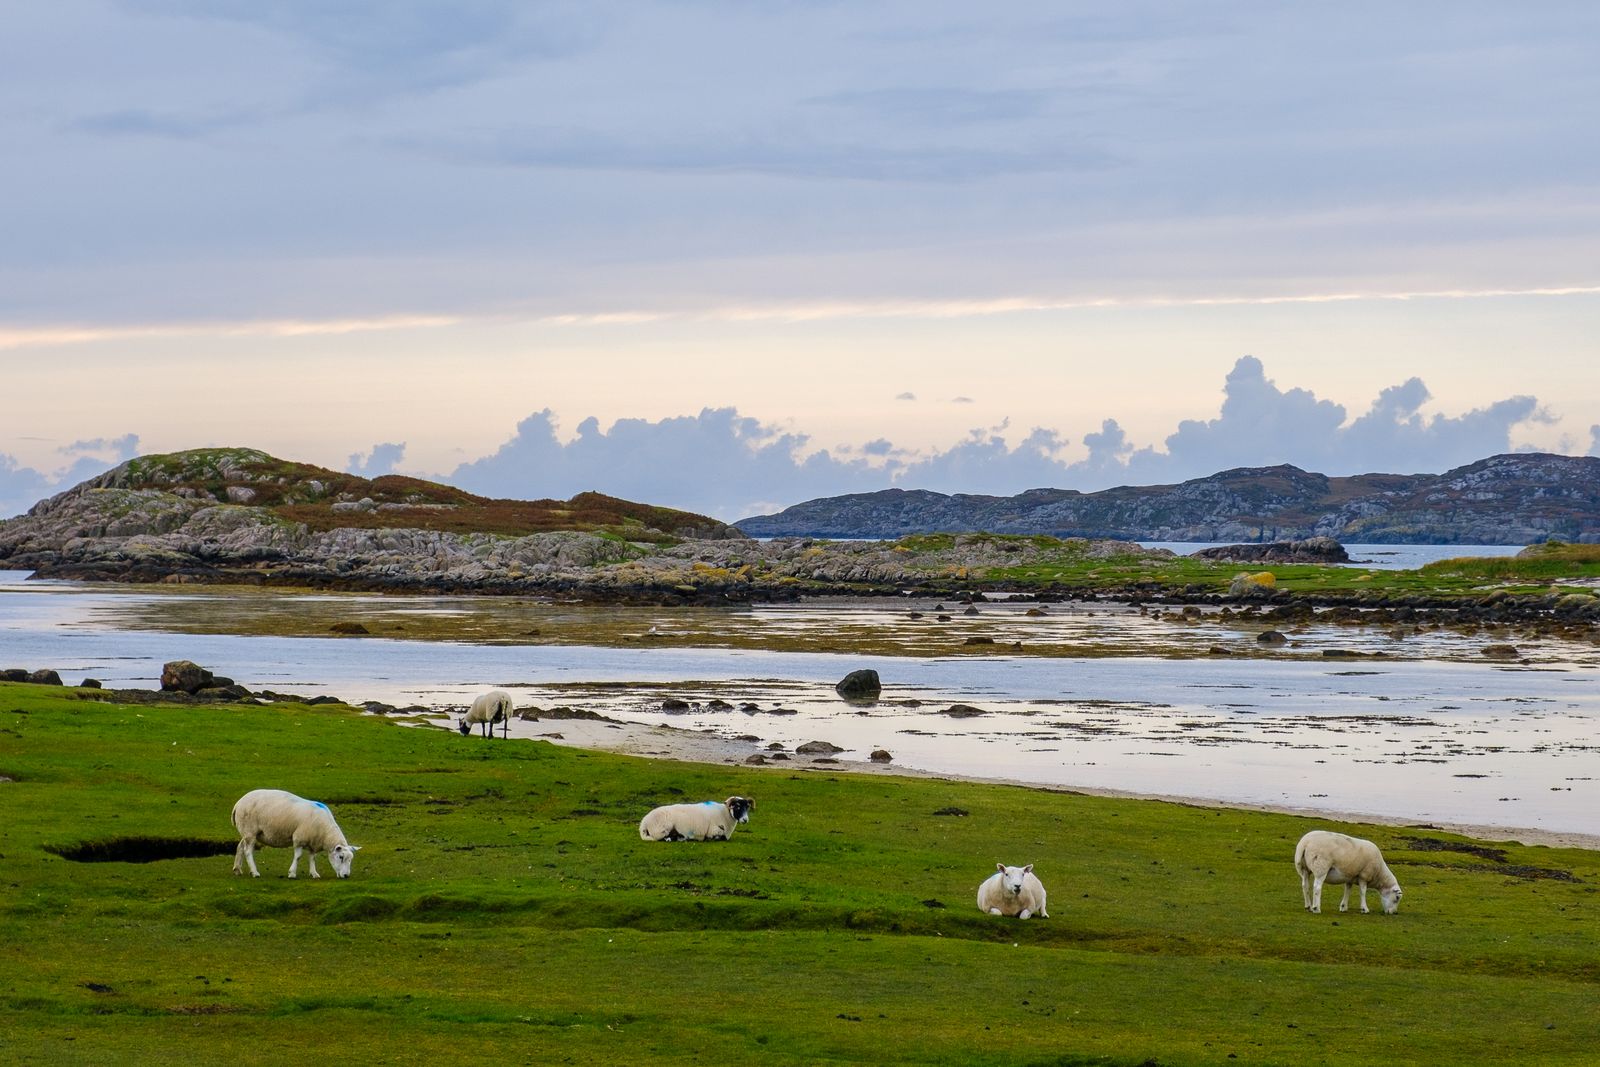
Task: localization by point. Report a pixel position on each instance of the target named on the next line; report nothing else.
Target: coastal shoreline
(693, 746)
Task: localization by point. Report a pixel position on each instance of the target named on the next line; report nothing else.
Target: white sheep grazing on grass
(710, 820)
(491, 708)
(1013, 891)
(1324, 856)
(274, 817)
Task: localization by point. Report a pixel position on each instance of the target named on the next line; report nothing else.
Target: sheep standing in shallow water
(1324, 856)
(709, 820)
(280, 819)
(491, 708)
(1013, 891)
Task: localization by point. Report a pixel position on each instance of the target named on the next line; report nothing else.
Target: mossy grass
(503, 906)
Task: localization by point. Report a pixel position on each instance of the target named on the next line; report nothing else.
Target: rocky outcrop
(119, 528)
(1508, 499)
(1312, 550)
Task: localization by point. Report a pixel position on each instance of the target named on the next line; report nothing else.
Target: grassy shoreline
(503, 905)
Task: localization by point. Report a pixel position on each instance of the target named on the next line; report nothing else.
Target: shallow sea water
(1424, 739)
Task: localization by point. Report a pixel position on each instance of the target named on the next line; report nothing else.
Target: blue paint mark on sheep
(320, 804)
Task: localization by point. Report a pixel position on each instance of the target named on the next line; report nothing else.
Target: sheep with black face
(491, 709)
(710, 820)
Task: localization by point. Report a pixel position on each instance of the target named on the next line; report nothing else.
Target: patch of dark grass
(138, 849)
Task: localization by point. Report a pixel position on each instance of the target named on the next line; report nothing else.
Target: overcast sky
(732, 255)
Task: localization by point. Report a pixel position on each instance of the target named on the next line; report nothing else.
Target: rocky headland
(242, 516)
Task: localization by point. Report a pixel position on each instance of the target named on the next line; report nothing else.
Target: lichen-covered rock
(185, 676)
(1252, 586)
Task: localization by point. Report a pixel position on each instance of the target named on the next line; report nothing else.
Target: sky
(728, 256)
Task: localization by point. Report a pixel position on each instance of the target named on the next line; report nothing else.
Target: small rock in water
(862, 684)
(963, 711)
(1271, 637)
(880, 755)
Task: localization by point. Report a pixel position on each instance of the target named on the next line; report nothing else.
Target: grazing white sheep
(1013, 891)
(280, 819)
(491, 708)
(710, 820)
(1324, 856)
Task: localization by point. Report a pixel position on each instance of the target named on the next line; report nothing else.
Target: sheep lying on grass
(1013, 891)
(709, 820)
(1324, 856)
(274, 817)
(491, 708)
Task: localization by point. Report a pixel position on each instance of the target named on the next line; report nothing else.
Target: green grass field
(504, 907)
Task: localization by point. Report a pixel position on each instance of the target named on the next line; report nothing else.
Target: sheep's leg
(1305, 887)
(238, 858)
(1024, 914)
(1344, 901)
(294, 864)
(1363, 897)
(1316, 895)
(311, 858)
(995, 911)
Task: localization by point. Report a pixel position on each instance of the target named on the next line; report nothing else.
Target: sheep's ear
(1000, 867)
(355, 848)
(1028, 869)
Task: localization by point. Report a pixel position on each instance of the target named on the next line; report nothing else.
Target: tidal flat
(1099, 696)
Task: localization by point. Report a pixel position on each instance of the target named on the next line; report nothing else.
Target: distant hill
(1507, 499)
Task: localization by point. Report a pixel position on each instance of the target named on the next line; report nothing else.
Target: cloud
(1262, 425)
(1594, 440)
(380, 461)
(906, 396)
(124, 447)
(717, 462)
(789, 154)
(22, 487)
(962, 400)
(731, 466)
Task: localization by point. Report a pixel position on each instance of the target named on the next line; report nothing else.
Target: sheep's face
(1011, 878)
(739, 808)
(1391, 899)
(341, 856)
(465, 729)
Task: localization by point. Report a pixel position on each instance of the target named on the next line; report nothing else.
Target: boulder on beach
(859, 685)
(818, 748)
(880, 755)
(184, 676)
(1262, 584)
